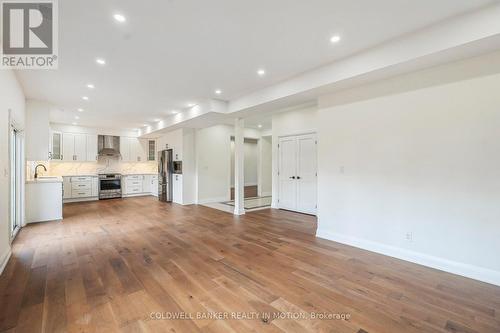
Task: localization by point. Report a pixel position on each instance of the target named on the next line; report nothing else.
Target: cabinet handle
(298, 177)
(293, 177)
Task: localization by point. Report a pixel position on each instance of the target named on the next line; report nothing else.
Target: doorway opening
(16, 150)
(258, 173)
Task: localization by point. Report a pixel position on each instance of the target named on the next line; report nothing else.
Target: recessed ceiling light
(335, 39)
(90, 86)
(261, 72)
(80, 110)
(259, 126)
(218, 91)
(119, 18)
(157, 120)
(85, 98)
(174, 112)
(145, 125)
(100, 61)
(190, 105)
(74, 124)
(76, 117)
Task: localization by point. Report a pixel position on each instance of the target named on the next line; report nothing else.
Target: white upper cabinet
(133, 149)
(55, 145)
(80, 147)
(125, 148)
(151, 150)
(72, 147)
(76, 147)
(136, 150)
(91, 147)
(68, 151)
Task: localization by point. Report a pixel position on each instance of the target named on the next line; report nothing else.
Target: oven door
(110, 188)
(110, 184)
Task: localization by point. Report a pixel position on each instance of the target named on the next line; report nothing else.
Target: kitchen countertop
(45, 180)
(123, 174)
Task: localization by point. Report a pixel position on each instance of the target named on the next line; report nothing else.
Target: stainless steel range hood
(108, 145)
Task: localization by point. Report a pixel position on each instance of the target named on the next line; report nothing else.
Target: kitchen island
(44, 197)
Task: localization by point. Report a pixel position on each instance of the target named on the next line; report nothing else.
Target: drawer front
(132, 182)
(81, 179)
(75, 193)
(135, 177)
(81, 186)
(134, 189)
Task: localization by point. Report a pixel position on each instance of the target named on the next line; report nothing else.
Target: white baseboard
(212, 200)
(145, 194)
(5, 260)
(469, 271)
(266, 194)
(80, 200)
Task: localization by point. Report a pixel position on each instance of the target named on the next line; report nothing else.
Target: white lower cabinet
(84, 188)
(154, 185)
(80, 188)
(138, 185)
(177, 189)
(133, 185)
(146, 184)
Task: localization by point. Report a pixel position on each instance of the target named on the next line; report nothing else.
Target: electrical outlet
(409, 236)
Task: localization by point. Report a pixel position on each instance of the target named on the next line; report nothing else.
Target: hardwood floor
(126, 265)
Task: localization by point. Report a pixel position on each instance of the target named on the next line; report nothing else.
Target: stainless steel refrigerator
(165, 170)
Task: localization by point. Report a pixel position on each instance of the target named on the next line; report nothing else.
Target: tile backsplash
(104, 165)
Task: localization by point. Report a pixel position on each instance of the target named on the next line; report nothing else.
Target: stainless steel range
(110, 186)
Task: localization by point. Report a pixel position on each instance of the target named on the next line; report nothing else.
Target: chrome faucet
(36, 169)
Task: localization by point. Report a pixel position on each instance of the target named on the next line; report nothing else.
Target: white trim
(5, 260)
(454, 267)
(131, 195)
(72, 200)
(276, 204)
(266, 194)
(212, 200)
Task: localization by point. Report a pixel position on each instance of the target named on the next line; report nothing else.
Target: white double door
(297, 173)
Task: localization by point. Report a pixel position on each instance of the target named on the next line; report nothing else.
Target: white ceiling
(169, 53)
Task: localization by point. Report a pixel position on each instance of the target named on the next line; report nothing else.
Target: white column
(239, 164)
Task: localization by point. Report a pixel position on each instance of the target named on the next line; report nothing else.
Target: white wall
(424, 162)
(37, 130)
(11, 98)
(294, 122)
(213, 161)
(213, 154)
